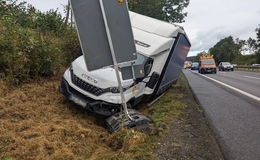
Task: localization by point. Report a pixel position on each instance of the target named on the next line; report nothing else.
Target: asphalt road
(234, 117)
(246, 81)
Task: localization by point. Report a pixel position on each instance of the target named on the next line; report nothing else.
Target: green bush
(70, 45)
(245, 59)
(33, 43)
(26, 53)
(29, 17)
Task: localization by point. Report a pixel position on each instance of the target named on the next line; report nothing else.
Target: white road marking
(251, 77)
(233, 88)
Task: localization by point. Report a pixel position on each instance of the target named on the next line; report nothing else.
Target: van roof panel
(155, 26)
(151, 44)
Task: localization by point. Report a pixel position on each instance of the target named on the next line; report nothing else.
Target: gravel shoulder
(189, 136)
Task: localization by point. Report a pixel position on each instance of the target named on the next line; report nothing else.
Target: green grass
(248, 70)
(6, 157)
(162, 113)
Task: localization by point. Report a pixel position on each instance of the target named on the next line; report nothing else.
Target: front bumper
(194, 68)
(96, 106)
(209, 70)
(228, 69)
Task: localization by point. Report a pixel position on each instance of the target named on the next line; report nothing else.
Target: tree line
(38, 44)
(166, 10)
(242, 52)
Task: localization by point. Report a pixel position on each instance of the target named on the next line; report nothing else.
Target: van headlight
(114, 90)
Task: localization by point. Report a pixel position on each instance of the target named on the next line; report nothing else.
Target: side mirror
(148, 66)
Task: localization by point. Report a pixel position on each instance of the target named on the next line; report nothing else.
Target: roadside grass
(6, 157)
(140, 146)
(248, 70)
(37, 122)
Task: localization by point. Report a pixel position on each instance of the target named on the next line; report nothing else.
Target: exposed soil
(190, 137)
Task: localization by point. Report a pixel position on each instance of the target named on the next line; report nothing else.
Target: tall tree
(227, 49)
(167, 10)
(258, 45)
(67, 13)
(251, 45)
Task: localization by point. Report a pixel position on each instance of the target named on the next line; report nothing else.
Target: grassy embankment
(37, 122)
(247, 70)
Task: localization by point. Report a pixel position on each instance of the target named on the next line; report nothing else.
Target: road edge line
(230, 87)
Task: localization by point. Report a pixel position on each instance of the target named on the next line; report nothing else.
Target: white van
(162, 49)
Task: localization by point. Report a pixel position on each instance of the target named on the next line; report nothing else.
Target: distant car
(195, 66)
(255, 65)
(225, 66)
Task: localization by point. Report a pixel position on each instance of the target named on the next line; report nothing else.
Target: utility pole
(71, 18)
(67, 14)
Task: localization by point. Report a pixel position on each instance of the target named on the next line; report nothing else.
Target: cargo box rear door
(174, 64)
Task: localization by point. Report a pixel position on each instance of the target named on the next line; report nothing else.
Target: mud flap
(117, 121)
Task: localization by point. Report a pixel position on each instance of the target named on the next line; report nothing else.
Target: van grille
(86, 86)
(93, 89)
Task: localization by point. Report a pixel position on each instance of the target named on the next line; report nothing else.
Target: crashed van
(161, 52)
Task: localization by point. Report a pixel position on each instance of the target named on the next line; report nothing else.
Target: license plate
(77, 101)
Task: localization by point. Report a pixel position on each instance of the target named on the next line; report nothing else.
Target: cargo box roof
(151, 44)
(153, 36)
(155, 26)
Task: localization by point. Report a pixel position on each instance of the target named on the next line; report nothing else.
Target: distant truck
(207, 64)
(187, 64)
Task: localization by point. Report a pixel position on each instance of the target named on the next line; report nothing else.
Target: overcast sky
(208, 21)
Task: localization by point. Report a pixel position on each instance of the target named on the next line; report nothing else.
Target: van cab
(207, 64)
(187, 64)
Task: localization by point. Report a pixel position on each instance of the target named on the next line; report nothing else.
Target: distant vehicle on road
(187, 64)
(225, 66)
(195, 66)
(207, 64)
(255, 65)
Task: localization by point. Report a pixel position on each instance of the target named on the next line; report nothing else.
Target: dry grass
(37, 122)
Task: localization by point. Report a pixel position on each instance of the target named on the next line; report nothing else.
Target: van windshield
(226, 63)
(208, 62)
